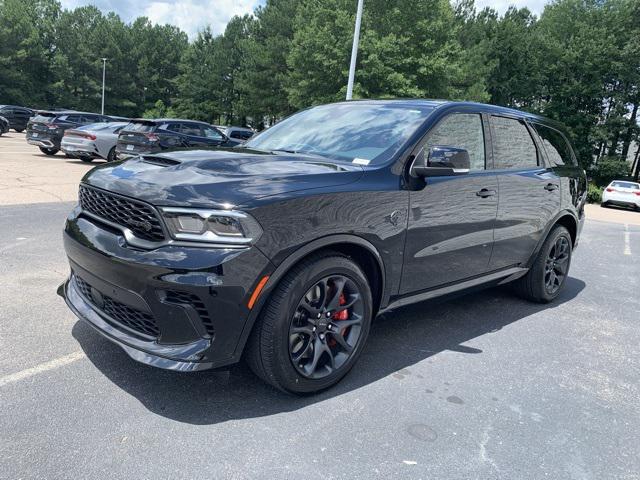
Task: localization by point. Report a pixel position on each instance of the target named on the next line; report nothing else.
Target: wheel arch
(357, 248)
(565, 218)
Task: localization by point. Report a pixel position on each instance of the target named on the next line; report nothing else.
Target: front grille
(132, 318)
(184, 298)
(138, 217)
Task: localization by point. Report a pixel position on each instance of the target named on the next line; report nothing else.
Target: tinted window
(191, 129)
(241, 134)
(72, 118)
(555, 145)
(212, 133)
(513, 146)
(461, 130)
(43, 118)
(345, 131)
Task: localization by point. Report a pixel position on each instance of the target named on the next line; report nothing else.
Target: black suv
(283, 250)
(144, 136)
(46, 129)
(18, 117)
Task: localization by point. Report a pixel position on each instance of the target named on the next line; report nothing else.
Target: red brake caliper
(341, 315)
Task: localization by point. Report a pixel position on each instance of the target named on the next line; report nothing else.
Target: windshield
(355, 132)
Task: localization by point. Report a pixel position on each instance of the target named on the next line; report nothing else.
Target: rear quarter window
(555, 145)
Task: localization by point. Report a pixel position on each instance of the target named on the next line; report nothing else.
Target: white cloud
(189, 15)
(501, 6)
(194, 15)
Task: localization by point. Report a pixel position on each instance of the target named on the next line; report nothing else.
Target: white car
(97, 140)
(620, 192)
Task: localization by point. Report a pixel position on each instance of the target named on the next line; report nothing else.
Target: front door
(451, 219)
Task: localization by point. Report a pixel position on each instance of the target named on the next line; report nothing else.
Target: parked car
(622, 193)
(46, 128)
(18, 117)
(282, 251)
(97, 140)
(144, 136)
(4, 125)
(241, 134)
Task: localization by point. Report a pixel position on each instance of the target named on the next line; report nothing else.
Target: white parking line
(43, 367)
(627, 240)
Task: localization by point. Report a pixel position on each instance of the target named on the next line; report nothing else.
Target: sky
(193, 15)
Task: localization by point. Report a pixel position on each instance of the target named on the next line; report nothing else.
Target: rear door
(451, 219)
(530, 192)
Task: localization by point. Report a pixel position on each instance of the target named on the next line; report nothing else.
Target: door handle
(550, 187)
(484, 193)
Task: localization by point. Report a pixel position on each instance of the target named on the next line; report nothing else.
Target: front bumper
(178, 308)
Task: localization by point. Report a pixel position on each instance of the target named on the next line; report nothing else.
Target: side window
(513, 146)
(71, 118)
(173, 127)
(212, 133)
(461, 130)
(555, 145)
(191, 129)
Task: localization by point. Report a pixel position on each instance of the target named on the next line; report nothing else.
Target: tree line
(579, 62)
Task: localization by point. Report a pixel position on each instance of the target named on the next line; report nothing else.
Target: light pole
(354, 51)
(104, 69)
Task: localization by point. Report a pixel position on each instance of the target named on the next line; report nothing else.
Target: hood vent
(162, 161)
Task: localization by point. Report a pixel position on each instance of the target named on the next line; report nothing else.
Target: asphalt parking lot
(484, 386)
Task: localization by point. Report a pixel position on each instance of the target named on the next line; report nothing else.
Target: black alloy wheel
(557, 265)
(550, 269)
(325, 327)
(313, 325)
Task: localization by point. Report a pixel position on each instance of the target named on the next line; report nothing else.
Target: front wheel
(314, 326)
(49, 151)
(19, 130)
(544, 281)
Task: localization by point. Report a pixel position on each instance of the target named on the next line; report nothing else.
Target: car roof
(16, 106)
(65, 112)
(161, 120)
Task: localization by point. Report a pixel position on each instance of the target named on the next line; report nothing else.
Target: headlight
(214, 226)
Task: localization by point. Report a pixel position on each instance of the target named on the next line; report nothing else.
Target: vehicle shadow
(398, 340)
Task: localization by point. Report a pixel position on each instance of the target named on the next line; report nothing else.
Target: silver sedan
(97, 140)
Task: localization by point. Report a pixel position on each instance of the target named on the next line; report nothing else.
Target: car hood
(218, 177)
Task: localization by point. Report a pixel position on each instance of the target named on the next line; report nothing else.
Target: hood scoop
(161, 161)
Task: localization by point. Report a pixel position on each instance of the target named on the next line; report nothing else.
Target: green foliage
(608, 169)
(578, 63)
(594, 194)
(159, 110)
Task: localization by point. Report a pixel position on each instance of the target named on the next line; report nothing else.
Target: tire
(86, 159)
(270, 350)
(534, 286)
(111, 157)
(604, 205)
(49, 151)
(19, 130)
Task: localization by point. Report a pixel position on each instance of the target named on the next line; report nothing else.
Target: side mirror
(442, 161)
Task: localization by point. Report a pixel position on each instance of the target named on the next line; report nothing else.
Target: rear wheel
(314, 326)
(111, 157)
(49, 151)
(86, 159)
(544, 281)
(604, 205)
(19, 130)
